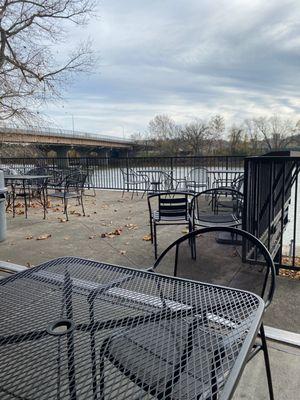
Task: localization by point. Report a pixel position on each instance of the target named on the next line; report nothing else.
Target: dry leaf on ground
(123, 252)
(131, 226)
(116, 232)
(147, 238)
(44, 237)
(29, 237)
(185, 231)
(61, 219)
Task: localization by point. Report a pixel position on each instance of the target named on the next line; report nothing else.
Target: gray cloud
(187, 58)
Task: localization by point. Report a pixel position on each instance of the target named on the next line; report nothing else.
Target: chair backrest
(221, 255)
(40, 182)
(198, 174)
(129, 175)
(38, 171)
(217, 201)
(75, 180)
(167, 180)
(238, 183)
(170, 204)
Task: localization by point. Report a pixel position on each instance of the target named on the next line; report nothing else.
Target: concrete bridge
(63, 142)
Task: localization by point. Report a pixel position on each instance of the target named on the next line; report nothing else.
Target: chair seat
(143, 353)
(197, 184)
(134, 182)
(157, 217)
(62, 195)
(217, 219)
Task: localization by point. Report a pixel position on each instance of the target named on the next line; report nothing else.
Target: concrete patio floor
(112, 231)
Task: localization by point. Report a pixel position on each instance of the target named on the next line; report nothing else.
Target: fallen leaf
(29, 237)
(147, 238)
(92, 237)
(28, 265)
(61, 219)
(20, 212)
(116, 232)
(185, 231)
(123, 252)
(44, 237)
(103, 235)
(66, 238)
(131, 226)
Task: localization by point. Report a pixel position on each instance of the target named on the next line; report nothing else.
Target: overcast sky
(187, 59)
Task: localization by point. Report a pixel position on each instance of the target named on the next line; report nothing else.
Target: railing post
(172, 172)
(226, 167)
(87, 172)
(127, 171)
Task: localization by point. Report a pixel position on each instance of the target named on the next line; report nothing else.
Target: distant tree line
(211, 137)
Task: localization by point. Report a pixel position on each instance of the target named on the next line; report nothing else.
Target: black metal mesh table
(79, 329)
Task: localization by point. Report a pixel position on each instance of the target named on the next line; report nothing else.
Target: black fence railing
(105, 173)
(271, 209)
(271, 186)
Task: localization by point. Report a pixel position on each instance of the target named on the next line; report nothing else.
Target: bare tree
(31, 32)
(196, 136)
(276, 133)
(217, 126)
(165, 133)
(236, 137)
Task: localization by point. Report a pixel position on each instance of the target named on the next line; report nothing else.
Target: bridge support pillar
(62, 155)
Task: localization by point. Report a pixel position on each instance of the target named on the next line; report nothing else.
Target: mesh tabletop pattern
(79, 329)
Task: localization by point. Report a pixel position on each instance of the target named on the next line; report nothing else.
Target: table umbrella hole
(60, 327)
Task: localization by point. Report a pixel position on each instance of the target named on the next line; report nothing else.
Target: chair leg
(66, 209)
(43, 198)
(151, 230)
(82, 206)
(102, 377)
(267, 361)
(132, 193)
(25, 200)
(14, 202)
(155, 240)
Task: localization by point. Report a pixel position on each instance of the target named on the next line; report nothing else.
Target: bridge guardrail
(45, 131)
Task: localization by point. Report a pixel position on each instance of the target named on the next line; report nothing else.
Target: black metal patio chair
(244, 264)
(247, 266)
(236, 184)
(72, 188)
(197, 180)
(217, 207)
(134, 181)
(168, 208)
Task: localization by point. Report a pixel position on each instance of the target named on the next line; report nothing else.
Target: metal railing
(271, 189)
(271, 210)
(56, 132)
(105, 172)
